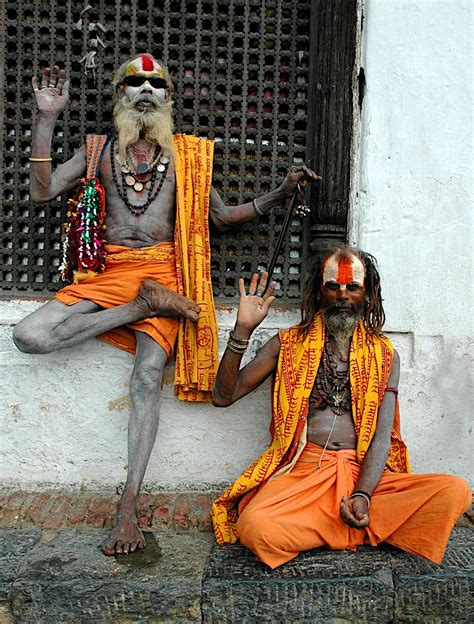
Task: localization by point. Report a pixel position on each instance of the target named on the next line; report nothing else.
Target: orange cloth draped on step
(196, 350)
(125, 270)
(298, 363)
(300, 510)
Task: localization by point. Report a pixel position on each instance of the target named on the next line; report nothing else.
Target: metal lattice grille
(240, 69)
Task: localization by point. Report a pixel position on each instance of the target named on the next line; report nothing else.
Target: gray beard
(341, 325)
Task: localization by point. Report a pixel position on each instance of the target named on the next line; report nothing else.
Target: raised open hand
(53, 94)
(297, 173)
(253, 307)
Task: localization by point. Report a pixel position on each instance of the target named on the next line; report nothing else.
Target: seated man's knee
(29, 338)
(463, 493)
(457, 493)
(253, 527)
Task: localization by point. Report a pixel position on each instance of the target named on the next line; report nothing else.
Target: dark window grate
(241, 75)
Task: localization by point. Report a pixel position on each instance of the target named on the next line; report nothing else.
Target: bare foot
(162, 301)
(125, 537)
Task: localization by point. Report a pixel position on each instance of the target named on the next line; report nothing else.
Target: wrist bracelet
(259, 212)
(242, 341)
(237, 345)
(45, 159)
(363, 495)
(236, 349)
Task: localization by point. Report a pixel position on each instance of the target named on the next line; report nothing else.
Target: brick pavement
(54, 510)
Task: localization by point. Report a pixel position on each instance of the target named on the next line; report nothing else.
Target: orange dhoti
(125, 270)
(300, 510)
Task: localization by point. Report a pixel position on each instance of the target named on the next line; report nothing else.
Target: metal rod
(282, 235)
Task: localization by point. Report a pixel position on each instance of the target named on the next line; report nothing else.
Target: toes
(118, 548)
(108, 550)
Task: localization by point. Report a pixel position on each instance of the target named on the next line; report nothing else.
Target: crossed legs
(57, 326)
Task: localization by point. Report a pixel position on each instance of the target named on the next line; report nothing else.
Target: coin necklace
(161, 168)
(143, 167)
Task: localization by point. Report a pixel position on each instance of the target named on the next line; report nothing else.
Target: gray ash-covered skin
(143, 119)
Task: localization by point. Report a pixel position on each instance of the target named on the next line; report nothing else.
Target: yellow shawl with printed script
(196, 349)
(298, 363)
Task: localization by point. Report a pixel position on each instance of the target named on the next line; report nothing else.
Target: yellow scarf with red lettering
(298, 363)
(196, 349)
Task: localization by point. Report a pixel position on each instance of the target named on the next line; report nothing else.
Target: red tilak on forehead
(147, 62)
(344, 271)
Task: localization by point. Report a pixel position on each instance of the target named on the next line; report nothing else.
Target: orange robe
(184, 268)
(300, 510)
(370, 364)
(125, 270)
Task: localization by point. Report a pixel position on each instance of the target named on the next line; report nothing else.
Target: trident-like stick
(302, 210)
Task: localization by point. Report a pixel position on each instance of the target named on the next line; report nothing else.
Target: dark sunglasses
(137, 81)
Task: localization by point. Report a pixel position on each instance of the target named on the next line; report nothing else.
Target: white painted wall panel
(414, 210)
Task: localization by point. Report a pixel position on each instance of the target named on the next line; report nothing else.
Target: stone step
(68, 579)
(372, 585)
(62, 576)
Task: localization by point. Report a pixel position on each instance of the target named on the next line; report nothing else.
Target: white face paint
(344, 271)
(158, 94)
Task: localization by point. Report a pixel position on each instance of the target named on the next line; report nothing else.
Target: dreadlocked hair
(373, 314)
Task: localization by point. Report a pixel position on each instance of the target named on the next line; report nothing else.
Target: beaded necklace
(332, 386)
(162, 168)
(333, 389)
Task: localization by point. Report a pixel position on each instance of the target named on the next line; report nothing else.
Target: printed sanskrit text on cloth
(370, 363)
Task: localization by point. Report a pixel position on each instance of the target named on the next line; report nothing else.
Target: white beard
(155, 125)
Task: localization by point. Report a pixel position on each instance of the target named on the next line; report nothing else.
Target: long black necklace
(121, 188)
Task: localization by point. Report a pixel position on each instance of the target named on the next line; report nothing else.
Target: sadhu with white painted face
(136, 247)
(336, 473)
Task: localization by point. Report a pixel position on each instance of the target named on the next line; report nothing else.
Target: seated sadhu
(336, 473)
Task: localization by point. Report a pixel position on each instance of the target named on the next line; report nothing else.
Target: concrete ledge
(68, 579)
(63, 577)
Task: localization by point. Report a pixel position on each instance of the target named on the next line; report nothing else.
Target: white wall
(414, 209)
(63, 417)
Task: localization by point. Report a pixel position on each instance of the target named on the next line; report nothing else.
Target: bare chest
(330, 416)
(141, 217)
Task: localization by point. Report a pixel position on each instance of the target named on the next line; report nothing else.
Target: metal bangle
(259, 212)
(238, 340)
(46, 159)
(236, 348)
(364, 495)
